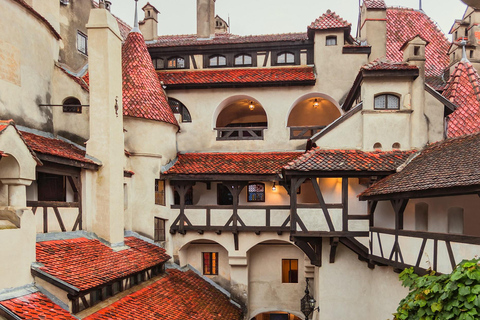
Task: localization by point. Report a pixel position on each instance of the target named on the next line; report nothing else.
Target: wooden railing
(304, 132)
(55, 205)
(240, 133)
(395, 248)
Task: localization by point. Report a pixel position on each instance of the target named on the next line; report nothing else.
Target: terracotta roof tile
(232, 163)
(143, 96)
(446, 164)
(463, 89)
(177, 296)
(385, 64)
(225, 38)
(404, 24)
(329, 20)
(85, 263)
(55, 147)
(240, 76)
(36, 306)
(348, 160)
(375, 4)
(86, 78)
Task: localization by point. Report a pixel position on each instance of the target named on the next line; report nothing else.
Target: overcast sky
(274, 16)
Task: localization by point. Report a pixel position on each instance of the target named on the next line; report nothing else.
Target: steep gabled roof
(329, 20)
(403, 24)
(177, 296)
(348, 160)
(375, 4)
(238, 76)
(36, 306)
(87, 263)
(143, 96)
(450, 166)
(463, 89)
(232, 163)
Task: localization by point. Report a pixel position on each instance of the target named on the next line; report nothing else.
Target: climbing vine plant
(442, 297)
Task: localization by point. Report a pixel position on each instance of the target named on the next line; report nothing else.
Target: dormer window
(158, 64)
(81, 42)
(331, 41)
(176, 63)
(285, 58)
(387, 102)
(243, 60)
(217, 61)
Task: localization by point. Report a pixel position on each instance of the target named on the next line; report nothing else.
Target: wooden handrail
(430, 235)
(52, 204)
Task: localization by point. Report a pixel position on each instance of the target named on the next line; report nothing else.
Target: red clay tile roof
(237, 76)
(143, 96)
(375, 4)
(5, 123)
(385, 64)
(463, 89)
(36, 306)
(329, 20)
(437, 83)
(232, 163)
(224, 38)
(39, 17)
(86, 264)
(55, 147)
(451, 163)
(403, 24)
(86, 78)
(349, 160)
(177, 296)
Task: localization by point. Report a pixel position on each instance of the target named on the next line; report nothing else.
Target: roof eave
(428, 193)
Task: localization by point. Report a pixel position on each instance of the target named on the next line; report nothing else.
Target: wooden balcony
(240, 133)
(304, 132)
(61, 216)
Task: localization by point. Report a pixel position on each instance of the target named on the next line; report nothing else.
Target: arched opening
(72, 105)
(275, 315)
(455, 220)
(421, 216)
(180, 109)
(311, 115)
(241, 119)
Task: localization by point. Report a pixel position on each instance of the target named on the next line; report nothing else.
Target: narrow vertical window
(289, 270)
(159, 229)
(81, 42)
(210, 263)
(160, 192)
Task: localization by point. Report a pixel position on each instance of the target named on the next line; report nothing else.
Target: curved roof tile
(329, 20)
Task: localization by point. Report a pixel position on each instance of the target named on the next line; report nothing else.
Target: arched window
(455, 220)
(331, 41)
(243, 60)
(396, 146)
(421, 216)
(179, 108)
(158, 64)
(217, 61)
(387, 102)
(256, 192)
(377, 146)
(176, 63)
(72, 105)
(285, 58)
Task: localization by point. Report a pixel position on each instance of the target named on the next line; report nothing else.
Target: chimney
(106, 141)
(149, 25)
(414, 54)
(373, 27)
(205, 18)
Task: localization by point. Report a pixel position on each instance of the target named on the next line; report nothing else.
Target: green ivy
(442, 297)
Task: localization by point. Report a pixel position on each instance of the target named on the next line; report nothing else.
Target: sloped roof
(82, 81)
(385, 64)
(403, 24)
(452, 163)
(375, 4)
(463, 89)
(238, 76)
(87, 263)
(177, 296)
(143, 96)
(224, 38)
(4, 124)
(329, 20)
(232, 163)
(36, 306)
(348, 160)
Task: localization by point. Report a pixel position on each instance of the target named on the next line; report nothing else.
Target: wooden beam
(333, 248)
(59, 219)
(345, 203)
(321, 200)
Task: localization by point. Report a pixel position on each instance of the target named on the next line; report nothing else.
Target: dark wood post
(345, 203)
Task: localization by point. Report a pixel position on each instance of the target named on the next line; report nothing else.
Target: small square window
(289, 270)
(81, 42)
(210, 263)
(159, 229)
(160, 192)
(256, 192)
(331, 41)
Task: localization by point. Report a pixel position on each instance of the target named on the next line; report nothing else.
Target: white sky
(274, 16)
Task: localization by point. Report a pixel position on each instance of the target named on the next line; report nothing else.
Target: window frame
(291, 273)
(243, 64)
(254, 199)
(217, 57)
(82, 49)
(155, 62)
(331, 38)
(180, 109)
(159, 197)
(210, 269)
(159, 233)
(176, 59)
(70, 107)
(287, 54)
(386, 95)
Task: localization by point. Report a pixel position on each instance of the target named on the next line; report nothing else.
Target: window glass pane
(281, 58)
(380, 102)
(172, 63)
(393, 102)
(285, 270)
(180, 63)
(238, 60)
(160, 192)
(82, 43)
(213, 62)
(222, 61)
(247, 59)
(331, 41)
(290, 58)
